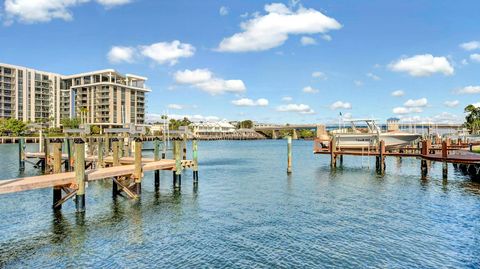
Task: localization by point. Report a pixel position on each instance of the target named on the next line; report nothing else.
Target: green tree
(13, 126)
(70, 123)
(472, 119)
(247, 124)
(175, 124)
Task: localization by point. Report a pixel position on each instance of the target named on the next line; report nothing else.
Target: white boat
(369, 138)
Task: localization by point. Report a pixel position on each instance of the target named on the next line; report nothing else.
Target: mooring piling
(57, 168)
(45, 161)
(137, 174)
(156, 157)
(184, 145)
(289, 155)
(195, 160)
(445, 145)
(21, 154)
(333, 156)
(177, 183)
(80, 174)
(100, 152)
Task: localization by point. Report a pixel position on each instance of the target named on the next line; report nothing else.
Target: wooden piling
(333, 157)
(195, 160)
(115, 162)
(100, 152)
(289, 155)
(57, 168)
(137, 174)
(156, 157)
(69, 162)
(21, 154)
(80, 174)
(184, 145)
(445, 145)
(177, 183)
(45, 161)
(381, 157)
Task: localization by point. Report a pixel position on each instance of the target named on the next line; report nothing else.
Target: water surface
(247, 212)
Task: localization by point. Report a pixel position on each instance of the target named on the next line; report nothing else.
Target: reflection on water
(247, 212)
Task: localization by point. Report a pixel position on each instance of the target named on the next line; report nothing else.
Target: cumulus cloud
(422, 102)
(469, 90)
(287, 98)
(373, 76)
(452, 103)
(250, 102)
(175, 106)
(263, 32)
(152, 117)
(309, 89)
(33, 11)
(118, 54)
(161, 52)
(167, 52)
(298, 108)
(472, 45)
(205, 80)
(398, 93)
(340, 105)
(444, 117)
(319, 75)
(407, 110)
(475, 57)
(358, 83)
(306, 41)
(423, 65)
(223, 11)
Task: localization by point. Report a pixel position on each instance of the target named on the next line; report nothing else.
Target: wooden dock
(112, 161)
(458, 154)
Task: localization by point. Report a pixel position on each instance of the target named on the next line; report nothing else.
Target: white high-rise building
(103, 97)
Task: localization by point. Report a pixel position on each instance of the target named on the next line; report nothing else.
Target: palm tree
(472, 119)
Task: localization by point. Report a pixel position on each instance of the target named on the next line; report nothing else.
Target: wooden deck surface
(68, 178)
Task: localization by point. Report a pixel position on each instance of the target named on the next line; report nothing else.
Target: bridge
(275, 128)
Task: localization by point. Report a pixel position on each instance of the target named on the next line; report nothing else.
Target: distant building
(103, 97)
(212, 128)
(393, 124)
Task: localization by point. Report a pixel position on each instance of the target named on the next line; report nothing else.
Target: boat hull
(392, 140)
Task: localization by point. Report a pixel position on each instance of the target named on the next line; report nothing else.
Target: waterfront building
(220, 128)
(105, 97)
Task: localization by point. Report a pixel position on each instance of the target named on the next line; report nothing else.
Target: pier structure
(69, 164)
(458, 154)
(294, 128)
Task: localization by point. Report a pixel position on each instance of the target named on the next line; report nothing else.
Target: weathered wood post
(289, 155)
(156, 157)
(21, 154)
(184, 145)
(57, 168)
(80, 174)
(69, 161)
(381, 157)
(177, 183)
(115, 162)
(444, 157)
(333, 156)
(100, 152)
(195, 160)
(137, 172)
(45, 162)
(107, 145)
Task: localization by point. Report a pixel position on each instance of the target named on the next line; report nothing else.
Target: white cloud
(469, 90)
(206, 81)
(168, 52)
(452, 103)
(472, 45)
(464, 62)
(113, 3)
(340, 105)
(306, 40)
(358, 83)
(175, 106)
(422, 102)
(423, 65)
(326, 37)
(263, 32)
(444, 117)
(118, 54)
(287, 98)
(373, 76)
(398, 93)
(309, 89)
(299, 108)
(152, 117)
(320, 75)
(475, 57)
(223, 11)
(33, 11)
(407, 110)
(250, 102)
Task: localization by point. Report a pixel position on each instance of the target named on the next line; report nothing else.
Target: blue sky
(293, 62)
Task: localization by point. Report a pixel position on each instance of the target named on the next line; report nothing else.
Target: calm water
(247, 212)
